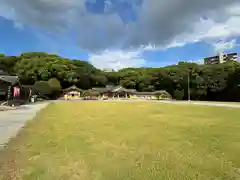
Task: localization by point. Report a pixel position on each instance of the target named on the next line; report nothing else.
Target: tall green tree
(204, 82)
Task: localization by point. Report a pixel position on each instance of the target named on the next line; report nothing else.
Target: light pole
(189, 93)
(188, 81)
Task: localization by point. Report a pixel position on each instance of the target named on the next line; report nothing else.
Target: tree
(7, 63)
(54, 84)
(112, 77)
(42, 88)
(207, 82)
(55, 87)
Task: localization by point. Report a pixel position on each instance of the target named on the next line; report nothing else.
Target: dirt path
(11, 121)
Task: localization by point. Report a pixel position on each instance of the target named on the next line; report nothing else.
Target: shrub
(179, 94)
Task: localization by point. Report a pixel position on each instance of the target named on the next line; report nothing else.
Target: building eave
(9, 79)
(72, 88)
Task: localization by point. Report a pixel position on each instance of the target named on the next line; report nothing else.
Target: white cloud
(200, 61)
(211, 32)
(160, 24)
(116, 59)
(221, 46)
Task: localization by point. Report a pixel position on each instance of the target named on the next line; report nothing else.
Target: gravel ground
(12, 121)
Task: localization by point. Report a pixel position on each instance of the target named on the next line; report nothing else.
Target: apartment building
(221, 58)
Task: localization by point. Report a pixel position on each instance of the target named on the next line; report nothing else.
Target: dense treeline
(207, 82)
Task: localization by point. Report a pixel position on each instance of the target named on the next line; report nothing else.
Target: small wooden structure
(7, 85)
(72, 92)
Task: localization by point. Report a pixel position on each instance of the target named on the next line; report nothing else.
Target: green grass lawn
(126, 141)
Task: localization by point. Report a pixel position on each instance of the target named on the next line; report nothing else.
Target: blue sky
(119, 33)
(15, 40)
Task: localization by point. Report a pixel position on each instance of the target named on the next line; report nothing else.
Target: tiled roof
(160, 91)
(111, 89)
(131, 90)
(145, 93)
(10, 79)
(101, 90)
(72, 88)
(118, 88)
(151, 93)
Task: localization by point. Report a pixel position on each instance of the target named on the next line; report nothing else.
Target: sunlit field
(126, 141)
